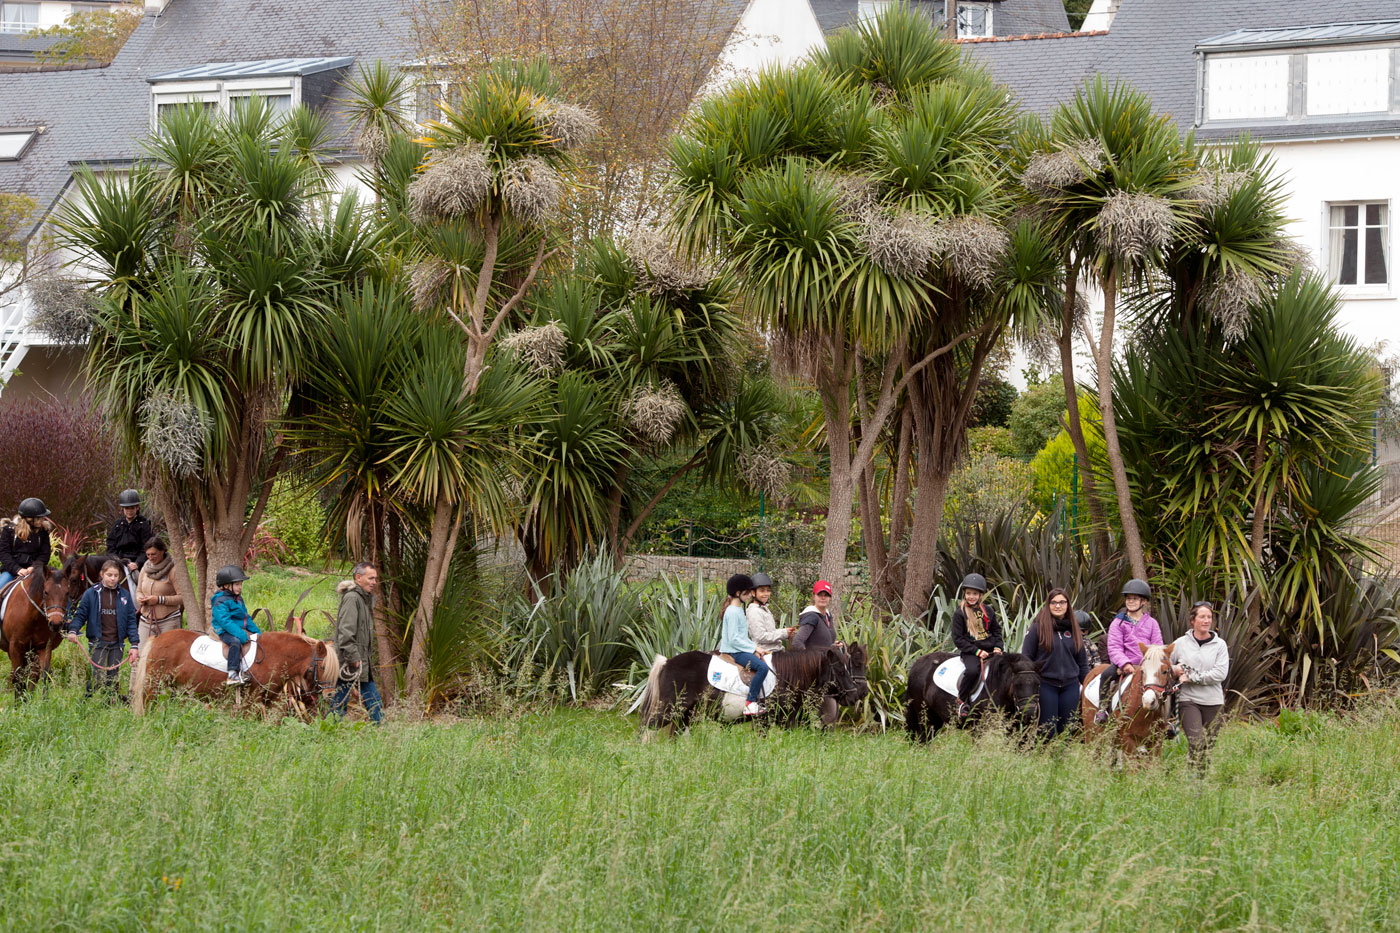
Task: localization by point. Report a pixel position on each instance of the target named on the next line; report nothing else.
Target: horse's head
(1014, 682)
(48, 594)
(75, 579)
(837, 677)
(1155, 671)
(859, 658)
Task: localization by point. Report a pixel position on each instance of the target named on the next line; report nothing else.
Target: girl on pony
(24, 541)
(735, 641)
(230, 619)
(977, 635)
(763, 628)
(1129, 627)
(1056, 643)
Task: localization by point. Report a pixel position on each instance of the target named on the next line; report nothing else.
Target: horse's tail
(649, 701)
(138, 678)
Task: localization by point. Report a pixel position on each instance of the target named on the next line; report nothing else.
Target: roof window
(15, 142)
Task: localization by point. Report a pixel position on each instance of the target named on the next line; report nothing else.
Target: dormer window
(18, 17)
(282, 83)
(15, 142)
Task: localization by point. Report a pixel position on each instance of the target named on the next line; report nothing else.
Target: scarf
(159, 571)
(977, 627)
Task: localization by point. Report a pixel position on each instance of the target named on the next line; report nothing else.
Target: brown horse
(32, 626)
(1141, 719)
(287, 663)
(80, 573)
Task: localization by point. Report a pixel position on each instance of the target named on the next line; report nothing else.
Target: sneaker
(964, 710)
(1101, 717)
(753, 709)
(234, 679)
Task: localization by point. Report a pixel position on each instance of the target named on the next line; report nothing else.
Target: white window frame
(988, 27)
(1361, 290)
(5, 26)
(222, 93)
(32, 132)
(1307, 103)
(409, 105)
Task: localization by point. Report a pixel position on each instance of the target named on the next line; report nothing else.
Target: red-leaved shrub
(61, 451)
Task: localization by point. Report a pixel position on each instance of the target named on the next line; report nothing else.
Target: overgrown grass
(189, 819)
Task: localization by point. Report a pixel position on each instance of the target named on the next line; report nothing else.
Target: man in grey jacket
(354, 642)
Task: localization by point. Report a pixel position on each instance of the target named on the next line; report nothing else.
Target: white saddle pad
(1091, 692)
(725, 677)
(10, 589)
(210, 652)
(949, 673)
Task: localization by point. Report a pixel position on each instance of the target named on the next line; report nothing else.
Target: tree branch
(250, 529)
(641, 516)
(540, 257)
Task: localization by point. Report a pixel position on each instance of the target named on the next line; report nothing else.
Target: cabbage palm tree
(215, 262)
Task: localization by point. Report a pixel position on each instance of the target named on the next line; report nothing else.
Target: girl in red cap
(814, 627)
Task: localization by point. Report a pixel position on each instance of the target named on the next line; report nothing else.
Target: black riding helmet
(974, 581)
(738, 584)
(128, 499)
(33, 508)
(229, 574)
(762, 579)
(1136, 587)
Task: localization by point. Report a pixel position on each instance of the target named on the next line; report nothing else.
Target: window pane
(1251, 87)
(425, 103)
(12, 144)
(1341, 244)
(1355, 81)
(19, 17)
(972, 21)
(1377, 265)
(1375, 214)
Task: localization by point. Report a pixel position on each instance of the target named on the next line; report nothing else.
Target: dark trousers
(235, 652)
(971, 676)
(1200, 724)
(108, 654)
(1058, 707)
(369, 693)
(754, 663)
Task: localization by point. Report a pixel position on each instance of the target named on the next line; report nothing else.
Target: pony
(288, 663)
(1141, 720)
(81, 572)
(1013, 689)
(32, 626)
(677, 688)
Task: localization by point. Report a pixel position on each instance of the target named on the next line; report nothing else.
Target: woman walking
(1201, 664)
(161, 608)
(1056, 643)
(735, 641)
(24, 541)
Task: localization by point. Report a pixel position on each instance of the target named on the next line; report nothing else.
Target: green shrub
(298, 521)
(991, 406)
(1054, 468)
(1036, 417)
(988, 486)
(998, 442)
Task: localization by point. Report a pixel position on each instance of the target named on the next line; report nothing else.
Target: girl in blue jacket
(107, 615)
(229, 617)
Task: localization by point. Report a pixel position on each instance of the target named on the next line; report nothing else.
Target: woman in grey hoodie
(1201, 661)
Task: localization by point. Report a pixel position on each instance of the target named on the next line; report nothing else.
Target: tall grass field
(191, 818)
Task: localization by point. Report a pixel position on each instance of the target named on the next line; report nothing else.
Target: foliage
(1388, 414)
(1058, 476)
(991, 441)
(1076, 10)
(988, 485)
(15, 211)
(296, 517)
(89, 36)
(1037, 416)
(993, 402)
(680, 616)
(61, 451)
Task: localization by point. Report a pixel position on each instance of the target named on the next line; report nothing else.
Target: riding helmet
(1085, 620)
(229, 574)
(129, 498)
(974, 581)
(1136, 587)
(33, 508)
(738, 584)
(762, 579)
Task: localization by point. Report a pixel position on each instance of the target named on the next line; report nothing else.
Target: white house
(20, 19)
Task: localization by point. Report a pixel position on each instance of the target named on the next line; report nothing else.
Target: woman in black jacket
(1057, 644)
(24, 541)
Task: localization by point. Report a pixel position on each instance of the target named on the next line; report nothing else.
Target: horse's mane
(37, 579)
(798, 664)
(1154, 653)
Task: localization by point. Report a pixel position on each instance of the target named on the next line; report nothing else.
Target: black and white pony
(679, 687)
(1012, 688)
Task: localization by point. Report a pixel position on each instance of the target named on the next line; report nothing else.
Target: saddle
(948, 674)
(745, 674)
(727, 676)
(211, 652)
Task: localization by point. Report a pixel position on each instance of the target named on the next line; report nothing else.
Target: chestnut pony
(287, 663)
(33, 625)
(1141, 720)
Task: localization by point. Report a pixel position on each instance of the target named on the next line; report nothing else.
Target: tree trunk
(417, 679)
(893, 583)
(615, 508)
(1256, 533)
(835, 390)
(196, 618)
(921, 568)
(871, 531)
(384, 676)
(1132, 540)
(1074, 425)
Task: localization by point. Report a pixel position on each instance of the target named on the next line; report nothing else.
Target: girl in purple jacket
(1130, 627)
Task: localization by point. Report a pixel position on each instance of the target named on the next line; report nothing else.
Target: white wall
(771, 32)
(1346, 170)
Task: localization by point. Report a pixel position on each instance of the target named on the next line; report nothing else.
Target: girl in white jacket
(1201, 662)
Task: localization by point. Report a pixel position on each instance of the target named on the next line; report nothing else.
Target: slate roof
(1009, 17)
(1152, 43)
(1303, 35)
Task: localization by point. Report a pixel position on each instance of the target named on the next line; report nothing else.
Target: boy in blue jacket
(109, 615)
(230, 619)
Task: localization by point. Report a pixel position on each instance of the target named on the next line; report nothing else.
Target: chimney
(1099, 18)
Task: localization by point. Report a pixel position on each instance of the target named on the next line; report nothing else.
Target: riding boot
(967, 683)
(1108, 683)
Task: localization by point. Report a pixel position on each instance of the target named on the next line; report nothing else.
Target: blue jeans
(1058, 707)
(5, 577)
(754, 663)
(369, 692)
(235, 652)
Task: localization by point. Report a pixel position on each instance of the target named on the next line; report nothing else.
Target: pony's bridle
(45, 611)
(1021, 705)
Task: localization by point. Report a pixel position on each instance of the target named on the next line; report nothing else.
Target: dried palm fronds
(656, 411)
(429, 282)
(175, 432)
(764, 471)
(541, 348)
(902, 245)
(1214, 188)
(658, 267)
(1049, 172)
(531, 190)
(455, 184)
(372, 142)
(1136, 225)
(972, 247)
(1228, 298)
(568, 125)
(63, 308)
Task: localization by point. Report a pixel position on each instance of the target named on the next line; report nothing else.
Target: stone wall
(647, 566)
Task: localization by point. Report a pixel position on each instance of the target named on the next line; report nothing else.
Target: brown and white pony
(32, 626)
(1140, 722)
(288, 664)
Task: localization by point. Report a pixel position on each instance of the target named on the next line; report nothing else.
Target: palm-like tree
(216, 262)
